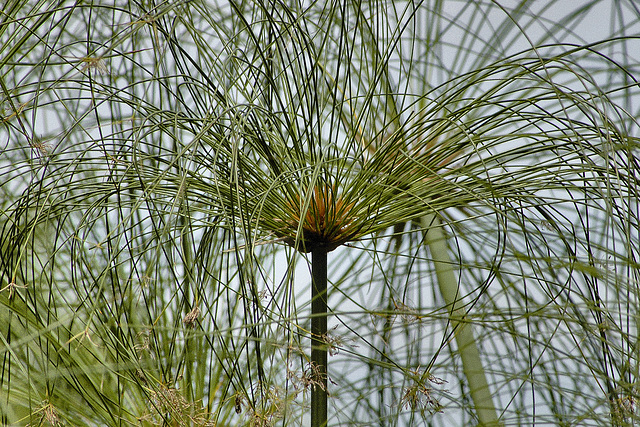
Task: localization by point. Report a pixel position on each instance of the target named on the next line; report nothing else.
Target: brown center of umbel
(327, 221)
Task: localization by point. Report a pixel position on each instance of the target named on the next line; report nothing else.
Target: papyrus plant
(440, 198)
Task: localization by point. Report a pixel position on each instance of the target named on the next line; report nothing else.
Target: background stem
(467, 346)
(318, 331)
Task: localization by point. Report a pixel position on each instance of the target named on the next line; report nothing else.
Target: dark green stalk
(318, 333)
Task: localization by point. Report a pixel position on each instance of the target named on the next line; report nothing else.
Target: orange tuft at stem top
(327, 222)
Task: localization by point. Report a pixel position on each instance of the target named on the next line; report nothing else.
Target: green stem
(467, 346)
(189, 350)
(318, 332)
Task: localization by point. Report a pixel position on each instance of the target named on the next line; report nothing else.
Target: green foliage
(166, 167)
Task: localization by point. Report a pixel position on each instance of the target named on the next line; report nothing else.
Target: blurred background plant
(468, 170)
